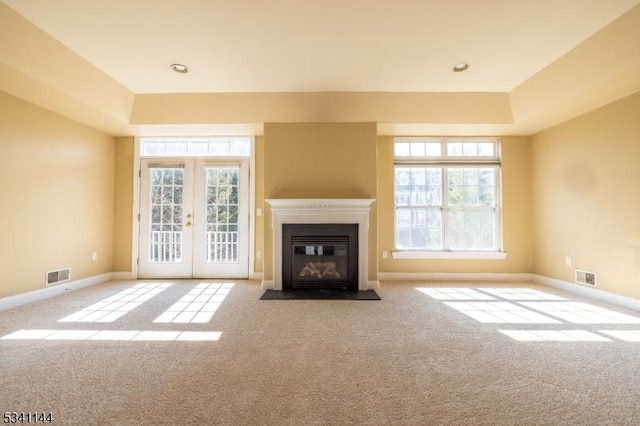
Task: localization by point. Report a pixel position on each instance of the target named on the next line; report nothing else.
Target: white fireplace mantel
(353, 210)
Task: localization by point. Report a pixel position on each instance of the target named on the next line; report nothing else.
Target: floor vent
(586, 278)
(59, 276)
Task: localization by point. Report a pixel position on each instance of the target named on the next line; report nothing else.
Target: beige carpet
(409, 359)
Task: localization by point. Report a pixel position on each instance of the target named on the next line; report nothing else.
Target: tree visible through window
(446, 195)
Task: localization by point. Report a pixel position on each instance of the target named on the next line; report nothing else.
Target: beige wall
(320, 160)
(586, 197)
(567, 191)
(321, 107)
(57, 197)
(123, 204)
(516, 216)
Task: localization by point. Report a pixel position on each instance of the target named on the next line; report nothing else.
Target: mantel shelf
(319, 203)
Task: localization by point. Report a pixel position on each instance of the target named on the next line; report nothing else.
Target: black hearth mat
(320, 294)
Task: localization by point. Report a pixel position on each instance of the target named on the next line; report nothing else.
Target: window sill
(497, 255)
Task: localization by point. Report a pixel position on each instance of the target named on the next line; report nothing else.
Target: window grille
(230, 146)
(446, 195)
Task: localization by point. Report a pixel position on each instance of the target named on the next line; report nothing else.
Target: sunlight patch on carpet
(500, 313)
(521, 305)
(626, 335)
(197, 306)
(554, 336)
(115, 335)
(521, 294)
(454, 293)
(114, 307)
(582, 313)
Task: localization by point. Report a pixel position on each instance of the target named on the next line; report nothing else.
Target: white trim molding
(451, 276)
(373, 285)
(355, 211)
(497, 255)
(590, 292)
(268, 285)
(322, 206)
(122, 276)
(11, 302)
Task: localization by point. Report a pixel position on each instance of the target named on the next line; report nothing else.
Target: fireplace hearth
(320, 256)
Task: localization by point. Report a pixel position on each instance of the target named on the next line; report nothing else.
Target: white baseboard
(450, 276)
(120, 276)
(373, 285)
(268, 285)
(256, 276)
(593, 293)
(11, 302)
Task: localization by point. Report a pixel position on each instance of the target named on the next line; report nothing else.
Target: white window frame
(200, 146)
(444, 162)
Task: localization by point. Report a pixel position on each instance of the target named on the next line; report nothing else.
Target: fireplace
(320, 256)
(352, 212)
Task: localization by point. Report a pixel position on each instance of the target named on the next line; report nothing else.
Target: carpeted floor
(416, 357)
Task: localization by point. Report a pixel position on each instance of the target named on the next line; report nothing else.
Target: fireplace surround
(320, 211)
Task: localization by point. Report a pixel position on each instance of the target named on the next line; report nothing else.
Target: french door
(194, 218)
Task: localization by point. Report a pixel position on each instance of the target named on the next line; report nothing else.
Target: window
(233, 146)
(446, 196)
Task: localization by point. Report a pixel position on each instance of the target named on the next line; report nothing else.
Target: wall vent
(586, 278)
(58, 276)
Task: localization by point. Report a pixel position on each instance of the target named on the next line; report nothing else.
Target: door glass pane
(222, 214)
(165, 204)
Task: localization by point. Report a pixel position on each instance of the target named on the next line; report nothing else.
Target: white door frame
(135, 213)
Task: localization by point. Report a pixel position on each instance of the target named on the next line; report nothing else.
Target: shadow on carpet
(320, 294)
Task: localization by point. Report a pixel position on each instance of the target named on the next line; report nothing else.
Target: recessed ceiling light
(179, 68)
(459, 67)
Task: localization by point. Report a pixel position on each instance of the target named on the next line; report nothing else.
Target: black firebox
(320, 256)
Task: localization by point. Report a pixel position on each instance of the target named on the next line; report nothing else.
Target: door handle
(188, 224)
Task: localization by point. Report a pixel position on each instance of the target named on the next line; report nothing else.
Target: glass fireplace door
(327, 261)
(320, 256)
